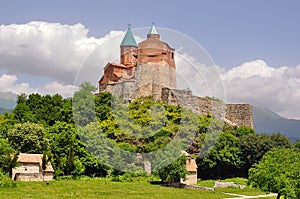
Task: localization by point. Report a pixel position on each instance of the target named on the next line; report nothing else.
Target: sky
(254, 44)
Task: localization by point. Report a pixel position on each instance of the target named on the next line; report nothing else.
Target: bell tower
(128, 49)
(153, 33)
(156, 64)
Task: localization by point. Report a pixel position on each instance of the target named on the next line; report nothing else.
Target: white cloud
(8, 83)
(55, 87)
(254, 82)
(202, 79)
(250, 69)
(50, 49)
(63, 53)
(259, 84)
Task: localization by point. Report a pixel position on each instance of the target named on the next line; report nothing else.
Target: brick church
(141, 62)
(148, 69)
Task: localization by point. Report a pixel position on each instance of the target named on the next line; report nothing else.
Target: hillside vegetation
(96, 135)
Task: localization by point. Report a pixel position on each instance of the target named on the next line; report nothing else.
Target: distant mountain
(266, 121)
(8, 101)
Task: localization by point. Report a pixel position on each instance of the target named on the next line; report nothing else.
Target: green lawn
(103, 188)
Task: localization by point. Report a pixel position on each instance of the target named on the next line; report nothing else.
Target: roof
(34, 158)
(128, 40)
(109, 64)
(191, 165)
(153, 30)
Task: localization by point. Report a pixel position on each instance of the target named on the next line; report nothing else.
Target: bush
(6, 182)
(138, 176)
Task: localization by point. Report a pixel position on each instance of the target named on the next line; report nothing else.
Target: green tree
(28, 138)
(103, 103)
(223, 156)
(244, 131)
(278, 172)
(5, 155)
(296, 145)
(174, 171)
(45, 160)
(7, 122)
(254, 147)
(22, 113)
(43, 109)
(84, 110)
(280, 141)
(70, 156)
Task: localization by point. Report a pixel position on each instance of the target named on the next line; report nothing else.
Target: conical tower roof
(129, 40)
(153, 30)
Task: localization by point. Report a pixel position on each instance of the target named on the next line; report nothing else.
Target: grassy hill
(104, 188)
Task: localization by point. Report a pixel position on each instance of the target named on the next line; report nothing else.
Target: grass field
(89, 188)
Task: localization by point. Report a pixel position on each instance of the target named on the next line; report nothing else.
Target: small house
(191, 168)
(30, 168)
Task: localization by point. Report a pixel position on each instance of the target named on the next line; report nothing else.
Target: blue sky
(232, 31)
(255, 44)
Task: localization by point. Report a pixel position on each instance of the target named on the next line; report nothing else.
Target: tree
(103, 105)
(5, 155)
(297, 145)
(174, 171)
(223, 157)
(70, 157)
(28, 138)
(243, 131)
(6, 123)
(22, 113)
(84, 110)
(278, 172)
(280, 141)
(254, 146)
(43, 109)
(45, 160)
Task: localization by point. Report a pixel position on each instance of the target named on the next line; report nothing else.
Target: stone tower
(156, 62)
(149, 62)
(128, 49)
(115, 73)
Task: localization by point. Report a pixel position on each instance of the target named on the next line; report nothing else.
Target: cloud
(50, 49)
(60, 52)
(253, 82)
(9, 84)
(259, 84)
(204, 79)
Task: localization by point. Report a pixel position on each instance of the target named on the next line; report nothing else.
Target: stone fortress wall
(234, 114)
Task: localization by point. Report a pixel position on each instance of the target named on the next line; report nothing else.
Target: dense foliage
(279, 172)
(174, 171)
(94, 134)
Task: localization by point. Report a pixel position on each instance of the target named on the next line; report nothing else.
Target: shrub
(6, 182)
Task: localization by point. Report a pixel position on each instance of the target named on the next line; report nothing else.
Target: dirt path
(238, 196)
